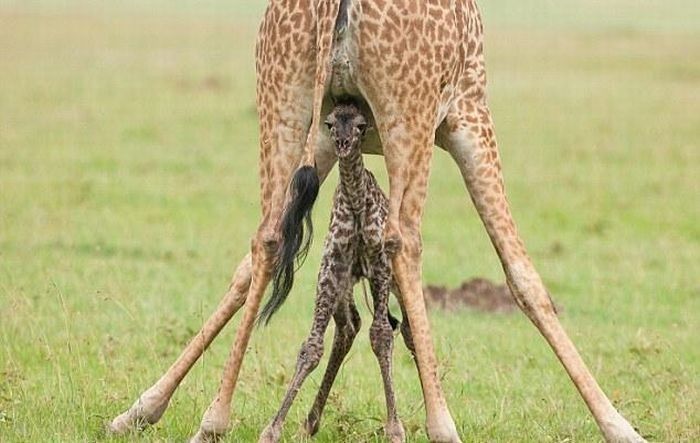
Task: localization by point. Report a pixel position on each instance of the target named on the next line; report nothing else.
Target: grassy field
(128, 192)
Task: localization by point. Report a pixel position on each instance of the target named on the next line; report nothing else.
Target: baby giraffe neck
(352, 179)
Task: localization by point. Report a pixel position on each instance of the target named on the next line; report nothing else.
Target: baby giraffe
(353, 249)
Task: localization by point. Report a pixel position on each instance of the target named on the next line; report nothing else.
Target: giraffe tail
(296, 227)
(296, 235)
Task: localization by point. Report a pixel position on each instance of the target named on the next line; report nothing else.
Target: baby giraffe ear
(364, 127)
(328, 122)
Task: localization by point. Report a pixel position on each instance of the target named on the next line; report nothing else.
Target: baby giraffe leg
(332, 281)
(381, 336)
(471, 141)
(347, 325)
(309, 357)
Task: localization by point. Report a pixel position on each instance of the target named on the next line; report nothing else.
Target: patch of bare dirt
(479, 294)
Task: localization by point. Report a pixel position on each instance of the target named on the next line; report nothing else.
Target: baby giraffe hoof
(271, 434)
(394, 432)
(310, 427)
(124, 423)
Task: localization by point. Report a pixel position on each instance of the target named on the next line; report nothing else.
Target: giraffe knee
(411, 241)
(270, 242)
(266, 239)
(381, 336)
(240, 283)
(391, 239)
(529, 292)
(310, 354)
(535, 304)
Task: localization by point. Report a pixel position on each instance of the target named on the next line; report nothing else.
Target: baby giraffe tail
(296, 227)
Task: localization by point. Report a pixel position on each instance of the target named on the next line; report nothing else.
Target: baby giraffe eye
(362, 127)
(328, 124)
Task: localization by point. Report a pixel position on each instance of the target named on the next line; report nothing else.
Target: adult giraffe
(418, 68)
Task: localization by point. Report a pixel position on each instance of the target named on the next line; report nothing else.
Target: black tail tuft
(393, 321)
(297, 233)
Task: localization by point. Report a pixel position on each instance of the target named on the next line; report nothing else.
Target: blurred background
(129, 192)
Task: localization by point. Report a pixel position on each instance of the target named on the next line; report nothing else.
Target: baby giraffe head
(347, 126)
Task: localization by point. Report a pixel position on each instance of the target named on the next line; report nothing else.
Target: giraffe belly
(346, 74)
(343, 85)
(343, 82)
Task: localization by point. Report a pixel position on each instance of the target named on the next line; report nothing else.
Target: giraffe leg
(469, 137)
(381, 336)
(407, 142)
(152, 403)
(308, 359)
(332, 281)
(347, 325)
(216, 418)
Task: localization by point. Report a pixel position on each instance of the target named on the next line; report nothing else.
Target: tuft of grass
(128, 192)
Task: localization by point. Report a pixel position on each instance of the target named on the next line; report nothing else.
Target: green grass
(128, 192)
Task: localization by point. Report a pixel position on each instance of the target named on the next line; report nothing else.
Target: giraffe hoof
(442, 429)
(310, 427)
(206, 436)
(214, 426)
(618, 430)
(124, 423)
(271, 434)
(394, 432)
(146, 411)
